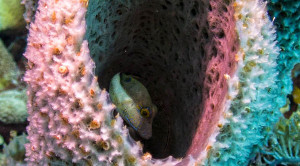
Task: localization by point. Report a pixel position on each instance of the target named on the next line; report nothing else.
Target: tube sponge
(11, 14)
(254, 89)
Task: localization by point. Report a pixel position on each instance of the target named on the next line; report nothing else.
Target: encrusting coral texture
(209, 66)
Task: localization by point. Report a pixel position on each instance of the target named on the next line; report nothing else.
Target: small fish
(133, 103)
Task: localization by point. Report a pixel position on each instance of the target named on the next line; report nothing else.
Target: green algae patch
(11, 14)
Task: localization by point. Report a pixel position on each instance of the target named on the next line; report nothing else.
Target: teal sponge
(256, 95)
(286, 15)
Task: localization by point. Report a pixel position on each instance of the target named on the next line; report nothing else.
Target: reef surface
(212, 68)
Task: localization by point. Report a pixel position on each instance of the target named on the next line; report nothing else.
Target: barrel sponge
(13, 106)
(185, 53)
(286, 15)
(256, 95)
(9, 72)
(11, 14)
(181, 51)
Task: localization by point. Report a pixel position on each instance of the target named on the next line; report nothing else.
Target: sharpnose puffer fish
(133, 103)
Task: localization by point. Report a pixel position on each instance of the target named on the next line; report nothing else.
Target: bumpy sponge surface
(192, 42)
(257, 96)
(70, 117)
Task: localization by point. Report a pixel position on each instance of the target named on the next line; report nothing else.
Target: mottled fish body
(133, 103)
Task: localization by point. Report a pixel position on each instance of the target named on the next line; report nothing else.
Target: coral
(13, 106)
(284, 143)
(9, 72)
(14, 152)
(11, 15)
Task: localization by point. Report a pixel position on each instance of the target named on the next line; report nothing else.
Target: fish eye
(145, 112)
(128, 79)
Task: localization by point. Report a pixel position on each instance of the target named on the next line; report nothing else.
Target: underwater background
(223, 78)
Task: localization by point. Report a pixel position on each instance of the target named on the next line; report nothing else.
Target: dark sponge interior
(180, 50)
